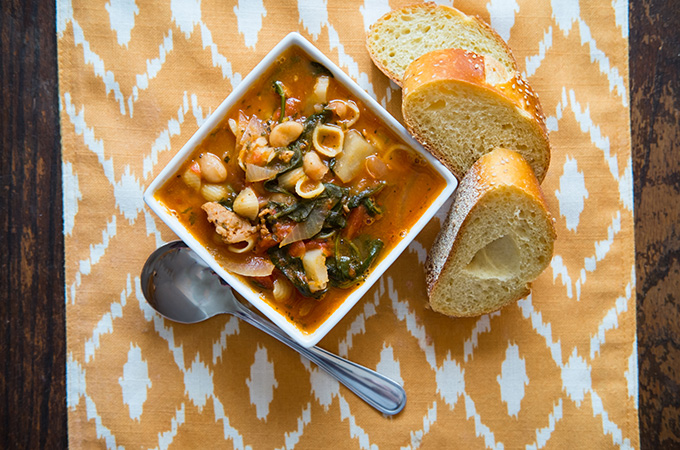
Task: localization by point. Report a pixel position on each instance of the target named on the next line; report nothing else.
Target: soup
(301, 190)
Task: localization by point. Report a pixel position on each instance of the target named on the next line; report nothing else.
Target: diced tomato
(293, 106)
(259, 156)
(354, 221)
(276, 114)
(266, 282)
(195, 168)
(296, 249)
(324, 245)
(282, 229)
(265, 243)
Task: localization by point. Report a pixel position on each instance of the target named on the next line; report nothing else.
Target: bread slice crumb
(498, 237)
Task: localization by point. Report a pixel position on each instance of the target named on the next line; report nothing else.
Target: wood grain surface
(32, 317)
(655, 122)
(32, 313)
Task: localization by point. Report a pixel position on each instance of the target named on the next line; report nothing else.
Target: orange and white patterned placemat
(555, 370)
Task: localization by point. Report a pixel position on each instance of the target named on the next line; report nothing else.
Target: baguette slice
(401, 36)
(461, 105)
(497, 238)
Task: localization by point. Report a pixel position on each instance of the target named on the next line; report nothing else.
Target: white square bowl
(304, 338)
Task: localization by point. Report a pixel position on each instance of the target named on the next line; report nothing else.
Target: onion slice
(251, 266)
(259, 173)
(252, 131)
(310, 227)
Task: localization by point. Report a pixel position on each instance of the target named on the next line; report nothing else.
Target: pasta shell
(214, 192)
(314, 263)
(347, 112)
(192, 178)
(328, 139)
(243, 247)
(307, 188)
(282, 290)
(246, 204)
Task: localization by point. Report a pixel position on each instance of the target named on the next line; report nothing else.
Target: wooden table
(32, 313)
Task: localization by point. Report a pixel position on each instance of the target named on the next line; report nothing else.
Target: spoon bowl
(178, 285)
(182, 288)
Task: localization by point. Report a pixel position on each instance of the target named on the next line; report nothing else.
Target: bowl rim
(306, 339)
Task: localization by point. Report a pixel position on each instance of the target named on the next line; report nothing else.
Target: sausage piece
(232, 227)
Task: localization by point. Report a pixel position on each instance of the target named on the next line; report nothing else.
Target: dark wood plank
(32, 327)
(655, 126)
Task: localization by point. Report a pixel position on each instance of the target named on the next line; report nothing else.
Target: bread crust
(429, 7)
(481, 72)
(492, 171)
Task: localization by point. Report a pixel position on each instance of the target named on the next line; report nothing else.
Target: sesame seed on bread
(461, 105)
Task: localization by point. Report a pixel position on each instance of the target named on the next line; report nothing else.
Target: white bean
(212, 168)
(314, 167)
(285, 133)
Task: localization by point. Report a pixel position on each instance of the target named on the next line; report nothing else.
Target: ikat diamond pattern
(555, 370)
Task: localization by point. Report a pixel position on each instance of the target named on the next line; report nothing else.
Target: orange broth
(411, 183)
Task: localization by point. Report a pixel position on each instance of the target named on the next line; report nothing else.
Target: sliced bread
(497, 238)
(401, 36)
(461, 105)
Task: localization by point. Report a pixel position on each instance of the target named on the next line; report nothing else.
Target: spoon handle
(377, 390)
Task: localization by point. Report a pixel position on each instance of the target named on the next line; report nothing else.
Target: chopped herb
(192, 218)
(273, 186)
(278, 87)
(359, 198)
(313, 120)
(371, 207)
(320, 69)
(293, 269)
(227, 203)
(187, 210)
(334, 191)
(336, 218)
(282, 163)
(297, 212)
(300, 211)
(351, 260)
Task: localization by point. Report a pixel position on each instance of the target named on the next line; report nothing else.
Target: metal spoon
(182, 288)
